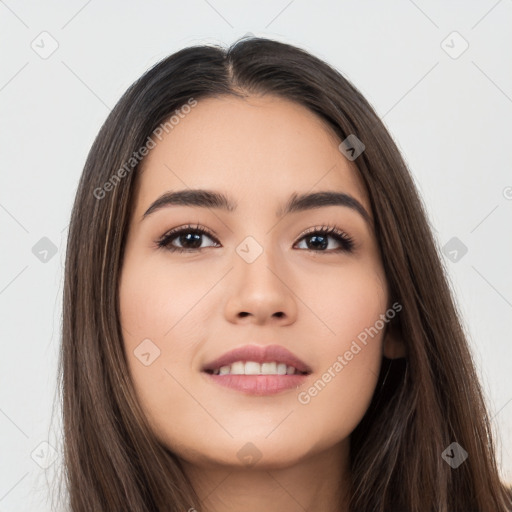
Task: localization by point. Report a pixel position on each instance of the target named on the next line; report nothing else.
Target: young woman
(255, 313)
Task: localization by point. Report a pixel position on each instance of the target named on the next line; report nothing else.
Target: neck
(320, 482)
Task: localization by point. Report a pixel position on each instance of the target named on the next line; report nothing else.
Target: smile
(258, 370)
(254, 368)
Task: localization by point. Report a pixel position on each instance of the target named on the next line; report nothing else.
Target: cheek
(362, 295)
(161, 318)
(165, 303)
(154, 299)
(350, 353)
(346, 302)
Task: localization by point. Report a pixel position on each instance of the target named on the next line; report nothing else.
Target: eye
(188, 236)
(319, 239)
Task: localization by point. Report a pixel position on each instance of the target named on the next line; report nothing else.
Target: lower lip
(259, 384)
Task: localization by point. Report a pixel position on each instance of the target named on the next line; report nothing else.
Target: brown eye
(319, 239)
(189, 238)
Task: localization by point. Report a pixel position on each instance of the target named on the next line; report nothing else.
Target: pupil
(323, 244)
(188, 238)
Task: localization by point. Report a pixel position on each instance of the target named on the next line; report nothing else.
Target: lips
(259, 354)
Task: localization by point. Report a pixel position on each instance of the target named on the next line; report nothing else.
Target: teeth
(253, 368)
(269, 368)
(237, 368)
(281, 369)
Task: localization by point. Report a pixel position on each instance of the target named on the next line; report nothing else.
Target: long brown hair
(422, 404)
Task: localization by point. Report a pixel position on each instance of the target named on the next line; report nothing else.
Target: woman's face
(255, 279)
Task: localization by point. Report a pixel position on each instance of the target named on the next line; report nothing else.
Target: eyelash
(347, 243)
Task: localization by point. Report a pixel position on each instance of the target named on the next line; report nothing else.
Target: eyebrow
(200, 198)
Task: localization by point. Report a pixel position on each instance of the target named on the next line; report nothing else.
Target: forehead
(254, 148)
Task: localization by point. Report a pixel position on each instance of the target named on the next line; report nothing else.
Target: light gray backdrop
(438, 73)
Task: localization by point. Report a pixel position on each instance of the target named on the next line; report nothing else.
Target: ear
(393, 346)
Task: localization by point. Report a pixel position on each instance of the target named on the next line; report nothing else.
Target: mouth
(255, 368)
(258, 370)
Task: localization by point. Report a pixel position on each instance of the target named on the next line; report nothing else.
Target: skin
(259, 151)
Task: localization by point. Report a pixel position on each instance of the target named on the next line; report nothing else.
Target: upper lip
(259, 354)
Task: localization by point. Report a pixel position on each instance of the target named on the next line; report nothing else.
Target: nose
(261, 292)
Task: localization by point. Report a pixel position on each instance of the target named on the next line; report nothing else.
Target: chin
(245, 452)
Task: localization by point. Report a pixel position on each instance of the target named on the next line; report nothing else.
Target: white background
(450, 116)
